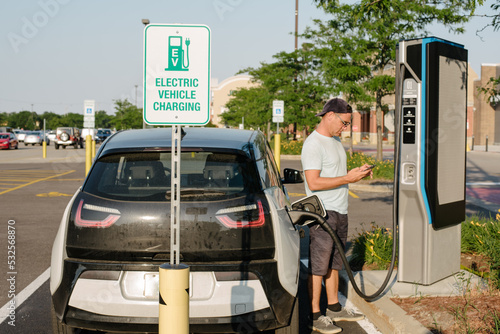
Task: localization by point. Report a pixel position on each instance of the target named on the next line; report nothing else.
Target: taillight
(242, 216)
(107, 222)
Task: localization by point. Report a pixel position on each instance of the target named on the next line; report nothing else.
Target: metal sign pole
(176, 196)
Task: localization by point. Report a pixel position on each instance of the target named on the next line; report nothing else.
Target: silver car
(34, 137)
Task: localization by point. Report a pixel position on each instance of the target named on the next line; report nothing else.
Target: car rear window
(204, 176)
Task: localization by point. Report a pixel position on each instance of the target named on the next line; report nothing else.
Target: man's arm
(316, 182)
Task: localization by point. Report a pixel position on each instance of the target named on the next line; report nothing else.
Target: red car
(8, 140)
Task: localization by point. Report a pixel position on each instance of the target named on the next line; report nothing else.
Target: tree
(103, 120)
(292, 78)
(52, 120)
(364, 36)
(72, 120)
(127, 115)
(22, 120)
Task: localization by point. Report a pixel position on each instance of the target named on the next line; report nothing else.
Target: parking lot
(35, 191)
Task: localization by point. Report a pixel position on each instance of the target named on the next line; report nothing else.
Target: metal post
(88, 153)
(486, 143)
(277, 147)
(44, 142)
(174, 277)
(175, 195)
(472, 148)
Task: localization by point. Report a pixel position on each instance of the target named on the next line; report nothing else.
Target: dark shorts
(322, 251)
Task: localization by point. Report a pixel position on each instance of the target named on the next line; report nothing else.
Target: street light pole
(145, 22)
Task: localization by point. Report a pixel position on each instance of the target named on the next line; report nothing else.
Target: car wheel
(64, 146)
(60, 328)
(293, 328)
(64, 136)
(56, 146)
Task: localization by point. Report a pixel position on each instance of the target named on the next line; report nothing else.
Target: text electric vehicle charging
(429, 182)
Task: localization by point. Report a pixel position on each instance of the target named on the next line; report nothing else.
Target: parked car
(20, 134)
(66, 136)
(235, 235)
(35, 137)
(52, 135)
(8, 140)
(103, 134)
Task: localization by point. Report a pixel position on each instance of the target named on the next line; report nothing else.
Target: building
(221, 93)
(486, 111)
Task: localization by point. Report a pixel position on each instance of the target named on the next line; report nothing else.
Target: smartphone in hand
(368, 167)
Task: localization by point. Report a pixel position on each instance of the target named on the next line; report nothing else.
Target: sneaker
(344, 315)
(324, 325)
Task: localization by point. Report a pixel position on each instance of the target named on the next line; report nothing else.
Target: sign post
(278, 117)
(176, 93)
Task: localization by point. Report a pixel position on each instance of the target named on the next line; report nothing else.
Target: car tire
(56, 146)
(25, 144)
(293, 328)
(63, 146)
(60, 328)
(64, 136)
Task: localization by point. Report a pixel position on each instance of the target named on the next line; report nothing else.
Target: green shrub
(482, 236)
(373, 247)
(382, 170)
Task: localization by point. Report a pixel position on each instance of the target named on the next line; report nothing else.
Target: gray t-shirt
(327, 155)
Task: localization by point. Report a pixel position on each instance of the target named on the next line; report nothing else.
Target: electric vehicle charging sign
(176, 74)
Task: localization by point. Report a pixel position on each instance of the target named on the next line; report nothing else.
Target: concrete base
(386, 315)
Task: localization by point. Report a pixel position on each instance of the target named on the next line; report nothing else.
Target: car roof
(193, 137)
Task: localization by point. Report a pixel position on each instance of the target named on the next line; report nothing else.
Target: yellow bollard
(277, 150)
(88, 154)
(174, 299)
(44, 149)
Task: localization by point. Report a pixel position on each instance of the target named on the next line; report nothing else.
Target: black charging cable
(300, 217)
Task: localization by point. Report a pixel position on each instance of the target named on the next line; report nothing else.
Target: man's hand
(358, 173)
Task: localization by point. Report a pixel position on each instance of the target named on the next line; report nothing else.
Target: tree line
(127, 116)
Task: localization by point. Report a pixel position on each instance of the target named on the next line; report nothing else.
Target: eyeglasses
(345, 124)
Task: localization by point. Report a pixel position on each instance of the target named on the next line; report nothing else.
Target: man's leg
(332, 286)
(315, 285)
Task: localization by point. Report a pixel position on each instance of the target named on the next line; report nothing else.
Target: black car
(235, 235)
(103, 134)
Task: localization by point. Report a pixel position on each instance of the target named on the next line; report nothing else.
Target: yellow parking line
(35, 181)
(353, 194)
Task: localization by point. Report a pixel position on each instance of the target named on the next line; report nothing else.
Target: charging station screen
(446, 112)
(452, 120)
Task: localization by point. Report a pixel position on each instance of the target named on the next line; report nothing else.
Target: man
(325, 167)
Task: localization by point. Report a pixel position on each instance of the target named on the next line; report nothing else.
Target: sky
(54, 54)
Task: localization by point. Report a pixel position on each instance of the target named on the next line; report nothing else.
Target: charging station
(429, 193)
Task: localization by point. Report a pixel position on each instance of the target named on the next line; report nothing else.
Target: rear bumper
(227, 306)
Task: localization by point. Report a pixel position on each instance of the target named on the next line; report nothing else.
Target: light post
(145, 22)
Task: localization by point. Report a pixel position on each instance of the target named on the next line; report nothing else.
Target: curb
(388, 317)
(377, 187)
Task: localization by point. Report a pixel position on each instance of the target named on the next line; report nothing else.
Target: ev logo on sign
(176, 74)
(176, 59)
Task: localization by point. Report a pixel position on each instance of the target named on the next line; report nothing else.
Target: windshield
(4, 136)
(147, 176)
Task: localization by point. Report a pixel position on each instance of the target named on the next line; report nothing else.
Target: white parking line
(365, 324)
(25, 294)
